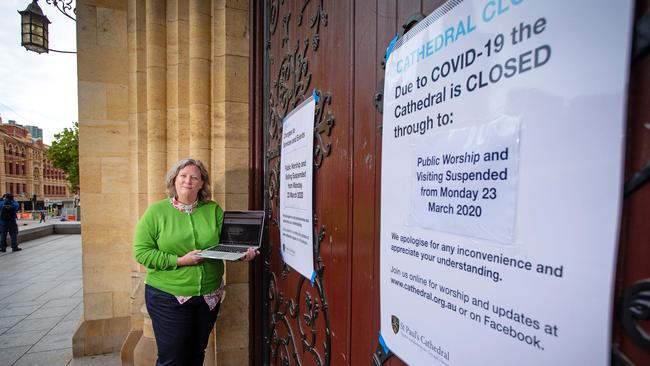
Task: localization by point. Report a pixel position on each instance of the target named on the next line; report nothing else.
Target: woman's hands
(189, 259)
(250, 255)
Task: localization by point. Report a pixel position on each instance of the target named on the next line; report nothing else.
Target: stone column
(200, 53)
(103, 161)
(156, 54)
(159, 80)
(149, 106)
(178, 80)
(230, 163)
(138, 202)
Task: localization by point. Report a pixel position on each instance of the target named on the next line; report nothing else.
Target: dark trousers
(12, 229)
(181, 331)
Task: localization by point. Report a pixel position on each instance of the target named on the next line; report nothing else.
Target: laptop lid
(243, 228)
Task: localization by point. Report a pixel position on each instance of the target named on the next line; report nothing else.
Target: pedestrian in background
(42, 217)
(8, 223)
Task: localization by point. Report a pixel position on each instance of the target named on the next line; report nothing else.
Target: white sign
(502, 161)
(296, 177)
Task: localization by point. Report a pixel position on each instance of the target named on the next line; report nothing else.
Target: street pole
(33, 205)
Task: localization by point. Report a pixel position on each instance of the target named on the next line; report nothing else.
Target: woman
(182, 292)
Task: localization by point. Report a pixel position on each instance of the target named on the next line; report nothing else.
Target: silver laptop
(240, 230)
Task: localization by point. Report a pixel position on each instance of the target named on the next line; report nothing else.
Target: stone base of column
(96, 337)
(145, 352)
(210, 356)
(128, 347)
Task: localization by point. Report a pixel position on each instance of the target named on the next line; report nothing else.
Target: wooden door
(337, 48)
(308, 50)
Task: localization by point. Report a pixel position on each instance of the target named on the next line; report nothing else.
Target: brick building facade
(27, 170)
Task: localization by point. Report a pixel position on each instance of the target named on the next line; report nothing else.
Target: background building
(37, 133)
(27, 171)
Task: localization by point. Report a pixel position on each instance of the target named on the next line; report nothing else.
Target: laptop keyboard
(230, 249)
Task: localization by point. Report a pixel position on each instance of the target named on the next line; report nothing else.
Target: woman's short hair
(204, 193)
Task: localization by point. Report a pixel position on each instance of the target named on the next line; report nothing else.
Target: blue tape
(383, 344)
(390, 46)
(313, 277)
(316, 97)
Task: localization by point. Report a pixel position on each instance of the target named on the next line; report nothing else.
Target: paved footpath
(41, 303)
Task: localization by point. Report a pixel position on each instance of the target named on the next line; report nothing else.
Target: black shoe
(3, 250)
(16, 249)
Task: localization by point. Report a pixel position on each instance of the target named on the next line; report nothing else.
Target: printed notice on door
(467, 184)
(502, 163)
(296, 177)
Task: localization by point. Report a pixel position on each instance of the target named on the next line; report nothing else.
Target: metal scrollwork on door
(273, 15)
(285, 25)
(273, 188)
(305, 310)
(289, 87)
(315, 21)
(323, 125)
(635, 308)
(298, 318)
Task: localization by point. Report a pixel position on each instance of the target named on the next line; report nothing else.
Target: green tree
(64, 154)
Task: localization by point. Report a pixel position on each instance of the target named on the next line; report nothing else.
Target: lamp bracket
(64, 6)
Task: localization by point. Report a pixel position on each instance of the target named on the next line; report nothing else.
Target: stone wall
(158, 81)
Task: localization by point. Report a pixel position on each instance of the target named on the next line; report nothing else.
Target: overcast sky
(38, 90)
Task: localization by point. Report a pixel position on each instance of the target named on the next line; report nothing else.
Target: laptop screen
(242, 228)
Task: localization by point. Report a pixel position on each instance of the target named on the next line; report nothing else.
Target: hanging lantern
(34, 35)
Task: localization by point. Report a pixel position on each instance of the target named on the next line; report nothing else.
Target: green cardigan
(164, 234)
